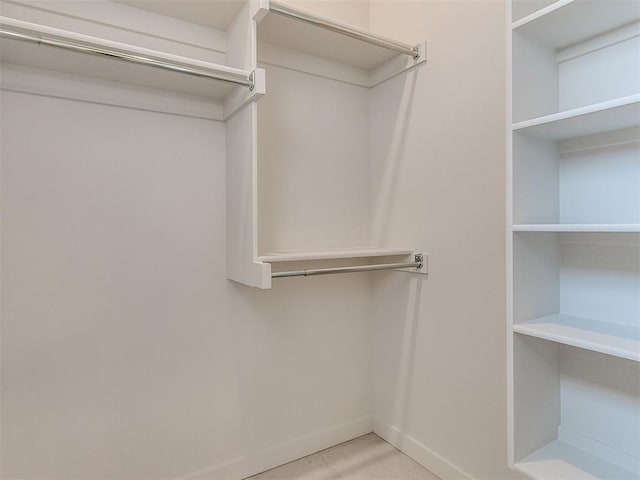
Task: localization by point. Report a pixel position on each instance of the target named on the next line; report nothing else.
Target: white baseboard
(259, 461)
(426, 457)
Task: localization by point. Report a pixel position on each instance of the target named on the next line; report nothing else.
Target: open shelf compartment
(576, 418)
(567, 22)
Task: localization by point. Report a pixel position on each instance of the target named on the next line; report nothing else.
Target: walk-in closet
(319, 239)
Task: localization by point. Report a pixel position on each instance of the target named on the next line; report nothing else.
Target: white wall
(126, 353)
(439, 346)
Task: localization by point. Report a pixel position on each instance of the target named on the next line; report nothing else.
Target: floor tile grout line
(331, 465)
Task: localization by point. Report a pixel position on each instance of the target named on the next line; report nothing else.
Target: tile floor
(364, 458)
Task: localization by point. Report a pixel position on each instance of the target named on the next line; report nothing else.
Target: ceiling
(212, 13)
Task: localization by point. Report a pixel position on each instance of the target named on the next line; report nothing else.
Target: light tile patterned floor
(364, 458)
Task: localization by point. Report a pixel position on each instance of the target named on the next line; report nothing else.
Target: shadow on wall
(404, 376)
(391, 111)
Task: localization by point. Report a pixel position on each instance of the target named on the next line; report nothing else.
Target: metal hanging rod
(230, 77)
(417, 263)
(328, 24)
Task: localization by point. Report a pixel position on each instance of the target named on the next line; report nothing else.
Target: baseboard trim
(426, 457)
(261, 460)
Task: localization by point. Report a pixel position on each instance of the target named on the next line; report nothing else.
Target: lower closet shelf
(610, 338)
(559, 460)
(307, 255)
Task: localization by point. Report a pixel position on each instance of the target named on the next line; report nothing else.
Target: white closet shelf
(605, 337)
(308, 255)
(562, 460)
(577, 227)
(300, 30)
(596, 118)
(92, 57)
(567, 22)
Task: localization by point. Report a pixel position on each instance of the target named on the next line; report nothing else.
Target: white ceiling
(212, 13)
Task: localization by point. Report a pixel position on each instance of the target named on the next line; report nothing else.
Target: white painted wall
(126, 353)
(438, 351)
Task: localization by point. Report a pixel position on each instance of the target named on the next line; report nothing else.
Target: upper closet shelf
(22, 43)
(307, 32)
(308, 255)
(597, 118)
(567, 22)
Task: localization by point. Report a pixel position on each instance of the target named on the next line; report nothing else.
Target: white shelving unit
(299, 198)
(161, 81)
(574, 242)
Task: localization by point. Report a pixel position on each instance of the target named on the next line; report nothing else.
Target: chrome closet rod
(90, 49)
(418, 263)
(287, 11)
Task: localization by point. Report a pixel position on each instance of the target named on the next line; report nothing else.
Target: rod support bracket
(417, 52)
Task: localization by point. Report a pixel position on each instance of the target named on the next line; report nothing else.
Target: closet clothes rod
(418, 263)
(238, 79)
(328, 24)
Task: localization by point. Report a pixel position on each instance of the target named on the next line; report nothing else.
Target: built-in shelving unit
(299, 202)
(574, 242)
(230, 91)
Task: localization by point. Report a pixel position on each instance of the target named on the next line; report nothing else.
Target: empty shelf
(600, 117)
(306, 255)
(577, 227)
(559, 460)
(308, 37)
(567, 22)
(613, 339)
(79, 54)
